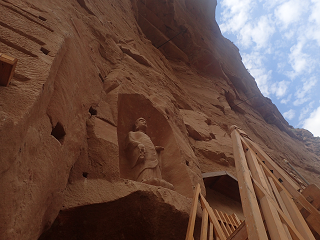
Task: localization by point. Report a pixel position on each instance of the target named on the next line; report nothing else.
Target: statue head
(141, 125)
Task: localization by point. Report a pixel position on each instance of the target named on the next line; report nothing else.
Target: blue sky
(279, 41)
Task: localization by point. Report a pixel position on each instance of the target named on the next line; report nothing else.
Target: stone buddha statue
(143, 157)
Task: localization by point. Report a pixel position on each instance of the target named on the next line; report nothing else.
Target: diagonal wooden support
(274, 224)
(290, 187)
(254, 222)
(261, 194)
(193, 214)
(213, 218)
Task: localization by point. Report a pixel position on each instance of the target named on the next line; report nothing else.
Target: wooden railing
(215, 224)
(267, 195)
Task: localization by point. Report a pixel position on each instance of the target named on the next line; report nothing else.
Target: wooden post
(254, 222)
(193, 213)
(271, 216)
(211, 231)
(213, 218)
(204, 225)
(296, 217)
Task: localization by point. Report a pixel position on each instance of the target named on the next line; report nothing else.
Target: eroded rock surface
(86, 70)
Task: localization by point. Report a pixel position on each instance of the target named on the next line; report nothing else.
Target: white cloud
(299, 61)
(289, 114)
(286, 100)
(315, 9)
(254, 63)
(270, 4)
(235, 14)
(303, 93)
(313, 123)
(279, 88)
(305, 110)
(290, 12)
(259, 32)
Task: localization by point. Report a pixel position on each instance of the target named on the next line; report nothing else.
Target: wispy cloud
(279, 41)
(254, 63)
(258, 32)
(299, 61)
(302, 94)
(290, 12)
(287, 99)
(289, 114)
(313, 122)
(280, 88)
(305, 110)
(235, 14)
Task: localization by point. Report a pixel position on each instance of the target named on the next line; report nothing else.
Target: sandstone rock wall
(86, 70)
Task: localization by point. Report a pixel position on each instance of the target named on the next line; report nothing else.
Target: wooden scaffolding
(271, 201)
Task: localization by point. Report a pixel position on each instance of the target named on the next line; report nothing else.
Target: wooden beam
(294, 232)
(296, 217)
(254, 222)
(193, 213)
(240, 233)
(223, 227)
(277, 171)
(314, 218)
(213, 218)
(211, 231)
(204, 225)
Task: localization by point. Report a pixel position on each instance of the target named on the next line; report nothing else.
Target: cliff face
(87, 69)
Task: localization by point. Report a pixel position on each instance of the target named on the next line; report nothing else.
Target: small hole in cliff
(58, 132)
(85, 174)
(93, 111)
(280, 180)
(212, 136)
(187, 163)
(42, 18)
(44, 50)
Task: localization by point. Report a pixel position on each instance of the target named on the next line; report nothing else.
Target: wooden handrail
(220, 224)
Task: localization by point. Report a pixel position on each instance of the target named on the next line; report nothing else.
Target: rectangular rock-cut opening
(7, 67)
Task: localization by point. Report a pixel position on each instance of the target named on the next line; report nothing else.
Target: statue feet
(158, 182)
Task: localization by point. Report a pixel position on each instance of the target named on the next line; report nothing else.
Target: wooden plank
(255, 169)
(268, 183)
(223, 227)
(229, 221)
(314, 218)
(282, 206)
(240, 233)
(213, 218)
(279, 199)
(233, 221)
(255, 226)
(204, 225)
(193, 213)
(296, 217)
(312, 192)
(273, 222)
(211, 231)
(277, 171)
(225, 222)
(293, 231)
(236, 219)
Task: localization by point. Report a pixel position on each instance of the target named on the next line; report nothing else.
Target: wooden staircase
(271, 201)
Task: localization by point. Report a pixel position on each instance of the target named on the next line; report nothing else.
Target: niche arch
(173, 169)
